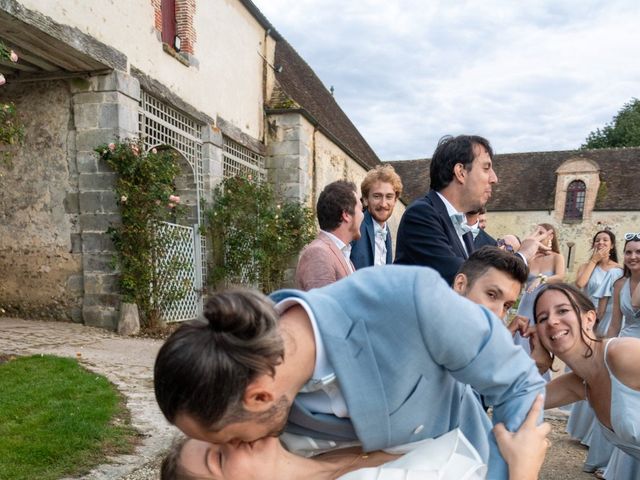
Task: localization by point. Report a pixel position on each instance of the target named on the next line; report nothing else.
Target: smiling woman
(605, 372)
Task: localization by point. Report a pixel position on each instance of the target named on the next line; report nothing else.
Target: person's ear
(589, 320)
(459, 172)
(259, 395)
(460, 284)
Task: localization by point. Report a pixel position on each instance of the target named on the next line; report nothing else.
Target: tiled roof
(527, 181)
(299, 89)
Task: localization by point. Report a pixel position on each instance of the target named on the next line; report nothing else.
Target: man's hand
(539, 354)
(524, 450)
(519, 324)
(535, 243)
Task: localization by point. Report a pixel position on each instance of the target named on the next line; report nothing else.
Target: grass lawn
(57, 419)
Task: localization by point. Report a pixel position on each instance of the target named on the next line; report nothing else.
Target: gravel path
(128, 363)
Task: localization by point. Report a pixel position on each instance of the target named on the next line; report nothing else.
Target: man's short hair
(336, 198)
(382, 173)
(451, 151)
(481, 260)
(204, 367)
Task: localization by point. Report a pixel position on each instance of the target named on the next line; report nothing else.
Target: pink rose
(14, 56)
(2, 79)
(112, 146)
(123, 199)
(135, 150)
(158, 202)
(171, 205)
(174, 198)
(154, 150)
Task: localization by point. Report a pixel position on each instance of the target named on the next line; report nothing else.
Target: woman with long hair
(596, 279)
(626, 292)
(546, 266)
(605, 372)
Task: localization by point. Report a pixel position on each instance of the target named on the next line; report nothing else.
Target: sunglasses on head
(501, 243)
(632, 236)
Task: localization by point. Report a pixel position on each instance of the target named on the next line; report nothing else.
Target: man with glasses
(510, 243)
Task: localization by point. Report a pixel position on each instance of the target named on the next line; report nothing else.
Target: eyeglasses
(501, 243)
(632, 236)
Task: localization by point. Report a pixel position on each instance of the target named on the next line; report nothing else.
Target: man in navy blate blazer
(380, 190)
(382, 357)
(433, 231)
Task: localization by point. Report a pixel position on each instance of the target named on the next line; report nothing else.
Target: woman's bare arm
(558, 269)
(616, 316)
(563, 390)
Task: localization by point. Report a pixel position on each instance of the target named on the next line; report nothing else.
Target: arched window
(574, 206)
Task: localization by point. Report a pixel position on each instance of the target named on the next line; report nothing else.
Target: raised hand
(539, 354)
(535, 242)
(519, 324)
(524, 450)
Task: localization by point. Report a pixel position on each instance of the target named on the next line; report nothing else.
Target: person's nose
(493, 178)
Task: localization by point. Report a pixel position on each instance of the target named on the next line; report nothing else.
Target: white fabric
(345, 248)
(380, 254)
(449, 457)
(460, 220)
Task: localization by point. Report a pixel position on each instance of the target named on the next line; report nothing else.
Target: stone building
(211, 79)
(577, 191)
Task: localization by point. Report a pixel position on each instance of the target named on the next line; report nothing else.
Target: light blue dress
(582, 423)
(525, 308)
(625, 435)
(631, 317)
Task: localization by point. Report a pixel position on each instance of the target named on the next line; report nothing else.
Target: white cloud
(531, 75)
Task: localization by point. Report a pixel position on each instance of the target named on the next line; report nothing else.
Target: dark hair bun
(242, 313)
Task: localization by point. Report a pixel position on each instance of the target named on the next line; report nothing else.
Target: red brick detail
(185, 11)
(157, 14)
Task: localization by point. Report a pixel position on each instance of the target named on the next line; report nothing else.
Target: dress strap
(606, 348)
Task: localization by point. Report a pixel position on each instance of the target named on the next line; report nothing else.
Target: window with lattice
(574, 205)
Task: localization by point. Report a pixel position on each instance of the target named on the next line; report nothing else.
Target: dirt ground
(565, 456)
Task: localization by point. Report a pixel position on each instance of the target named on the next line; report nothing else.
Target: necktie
(468, 242)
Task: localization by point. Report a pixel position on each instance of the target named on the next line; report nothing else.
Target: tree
(623, 131)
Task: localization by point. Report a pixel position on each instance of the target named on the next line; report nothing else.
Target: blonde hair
(381, 173)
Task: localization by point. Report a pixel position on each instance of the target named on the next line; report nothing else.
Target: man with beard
(433, 230)
(326, 259)
(380, 189)
(364, 361)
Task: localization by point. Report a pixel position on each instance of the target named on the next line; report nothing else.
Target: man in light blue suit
(383, 357)
(380, 190)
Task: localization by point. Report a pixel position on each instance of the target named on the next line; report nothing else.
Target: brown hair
(554, 241)
(382, 173)
(488, 257)
(579, 302)
(204, 367)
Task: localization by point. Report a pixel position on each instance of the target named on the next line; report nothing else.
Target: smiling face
(602, 241)
(255, 461)
(559, 326)
(381, 201)
(478, 180)
(632, 256)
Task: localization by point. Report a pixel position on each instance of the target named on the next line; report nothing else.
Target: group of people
(378, 371)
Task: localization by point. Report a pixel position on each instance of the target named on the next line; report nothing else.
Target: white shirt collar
(451, 210)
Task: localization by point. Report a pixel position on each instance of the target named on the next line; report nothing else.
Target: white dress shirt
(345, 248)
(380, 233)
(451, 211)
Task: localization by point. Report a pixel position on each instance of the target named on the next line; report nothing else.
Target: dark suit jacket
(363, 250)
(483, 239)
(427, 237)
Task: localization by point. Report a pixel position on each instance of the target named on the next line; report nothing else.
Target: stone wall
(578, 234)
(40, 257)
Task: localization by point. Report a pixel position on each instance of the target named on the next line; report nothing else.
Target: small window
(574, 206)
(168, 9)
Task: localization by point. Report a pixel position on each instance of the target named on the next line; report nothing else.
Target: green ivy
(145, 193)
(253, 236)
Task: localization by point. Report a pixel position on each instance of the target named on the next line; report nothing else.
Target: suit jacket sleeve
(315, 268)
(422, 241)
(481, 353)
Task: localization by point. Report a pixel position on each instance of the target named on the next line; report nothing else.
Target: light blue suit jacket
(403, 346)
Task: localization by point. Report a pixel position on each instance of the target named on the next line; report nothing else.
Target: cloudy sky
(530, 75)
